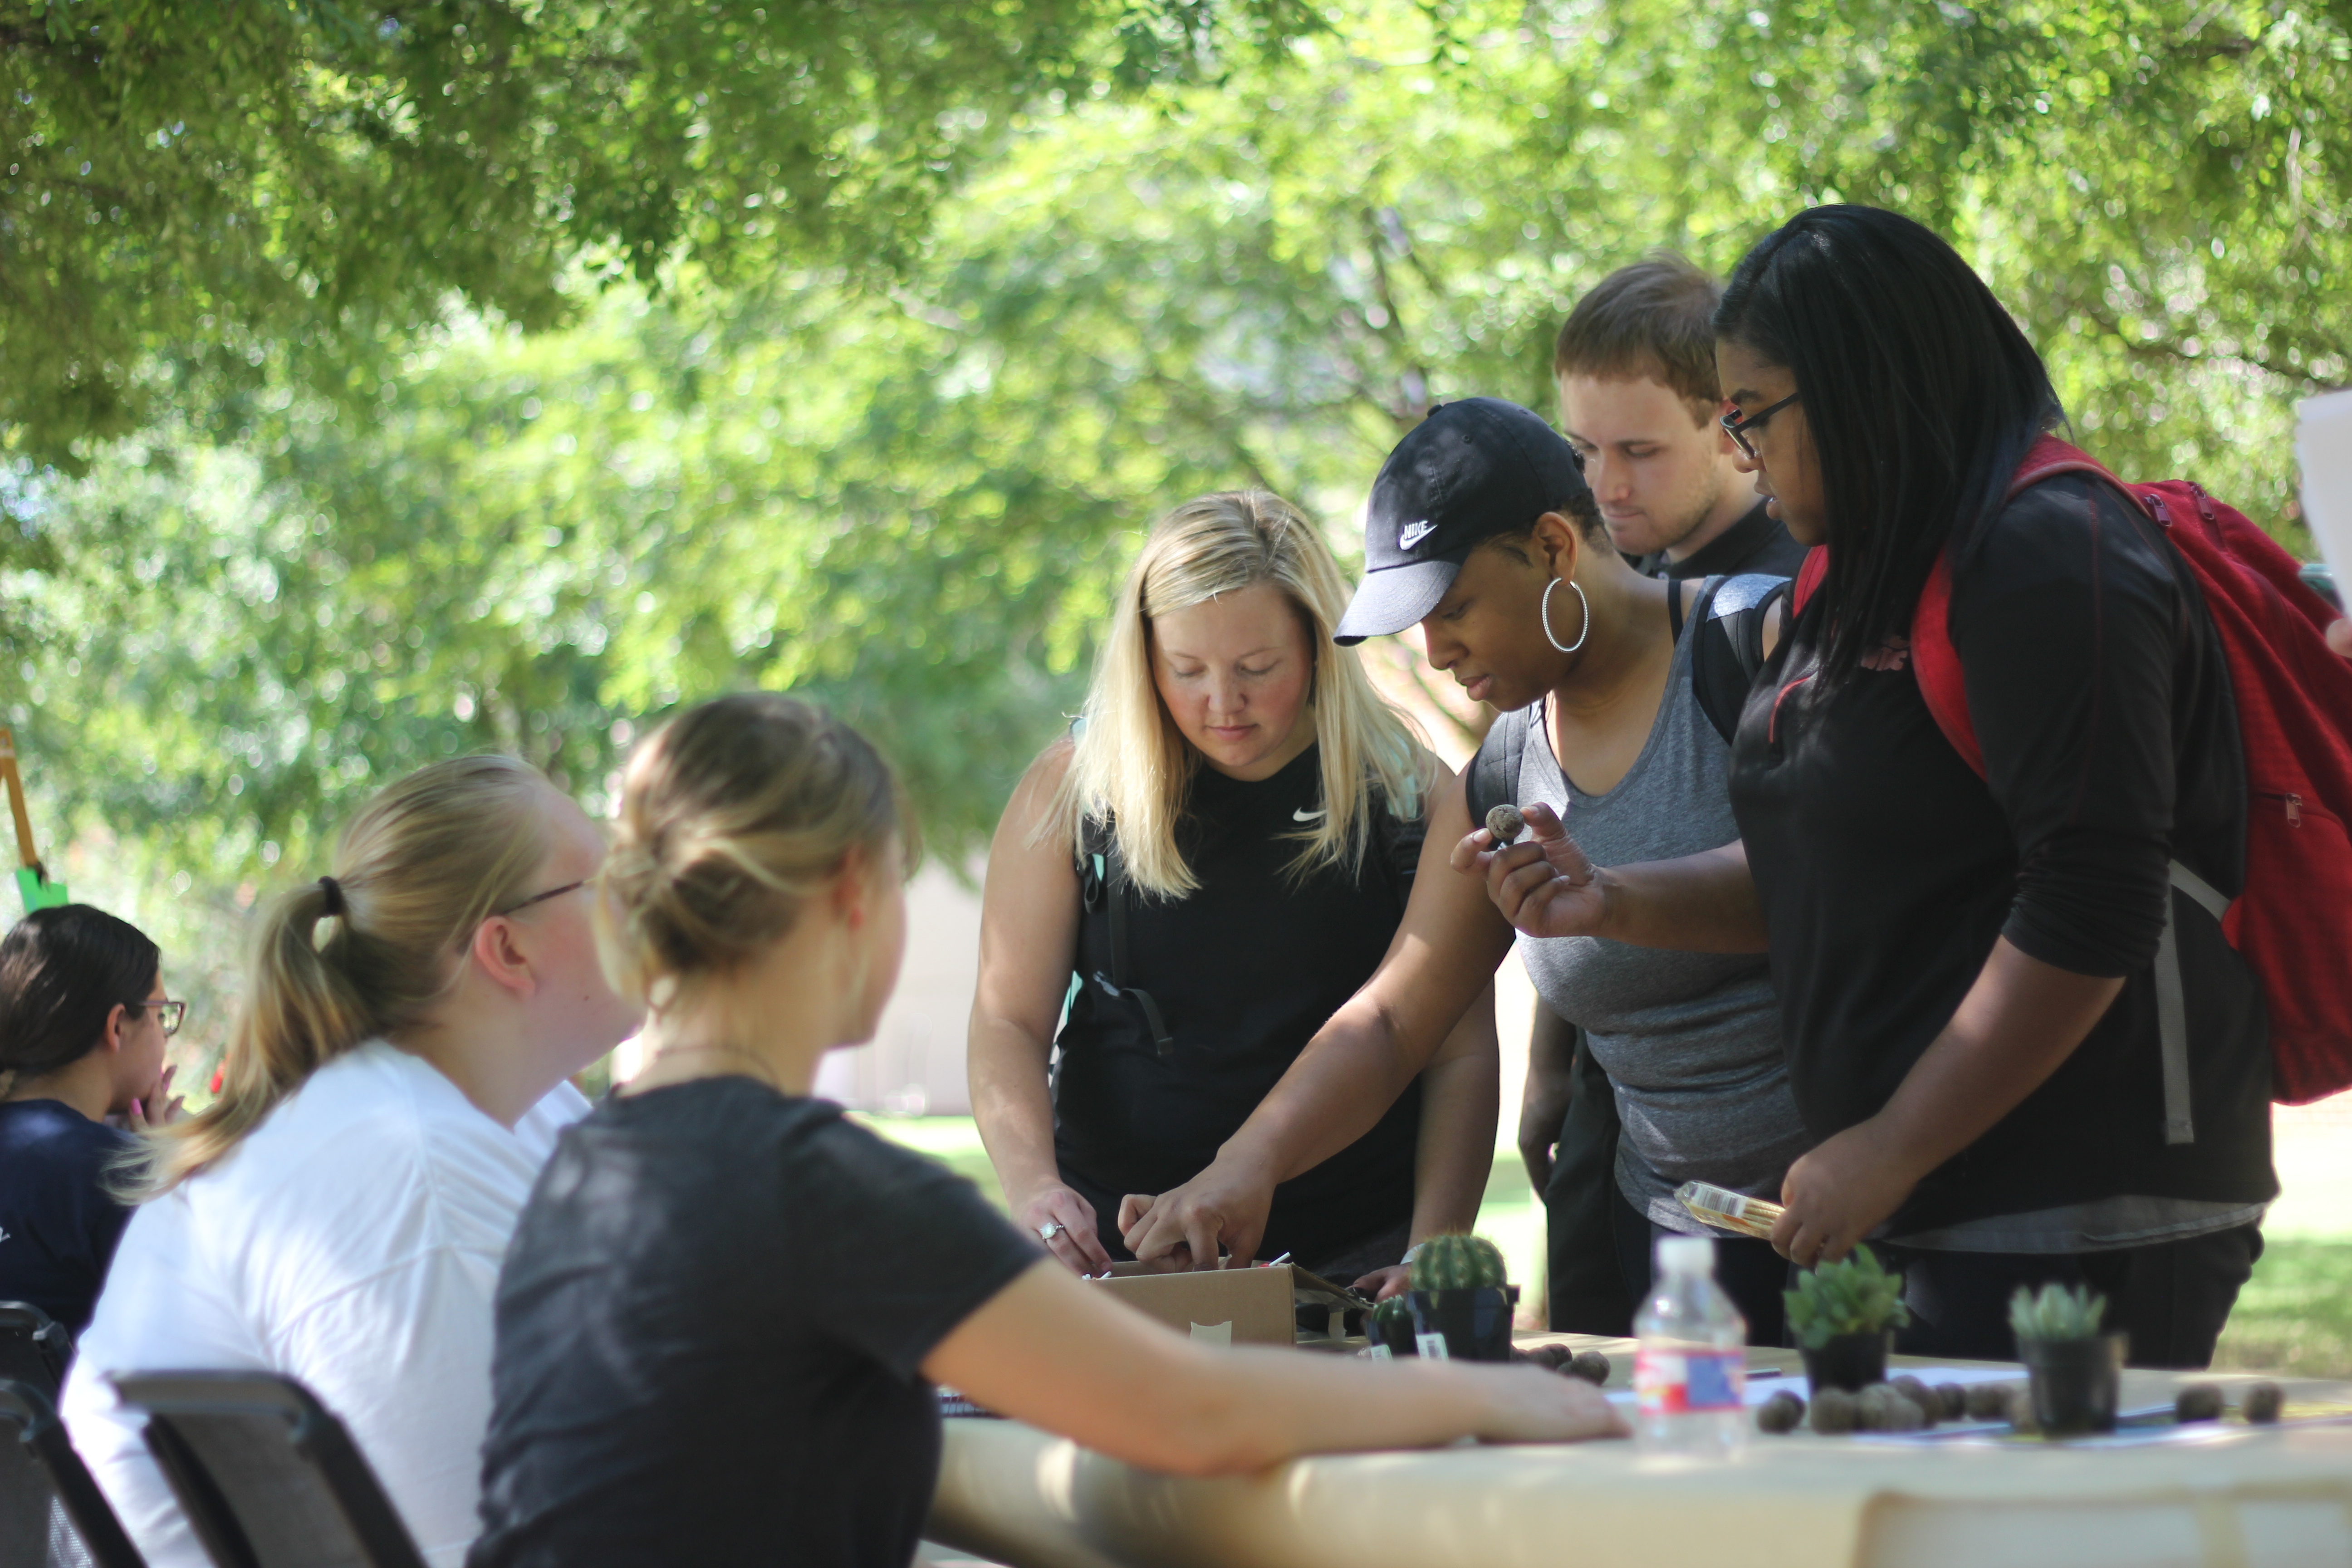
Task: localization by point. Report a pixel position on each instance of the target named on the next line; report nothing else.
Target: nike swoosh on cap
(1414, 534)
(1301, 815)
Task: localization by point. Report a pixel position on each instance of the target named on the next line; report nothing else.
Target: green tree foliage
(189, 186)
(913, 500)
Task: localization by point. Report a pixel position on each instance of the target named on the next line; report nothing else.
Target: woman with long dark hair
(2007, 1084)
(83, 1018)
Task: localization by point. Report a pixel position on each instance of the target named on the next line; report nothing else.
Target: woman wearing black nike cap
(1480, 528)
(1181, 892)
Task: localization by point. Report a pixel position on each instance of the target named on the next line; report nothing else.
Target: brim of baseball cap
(1392, 600)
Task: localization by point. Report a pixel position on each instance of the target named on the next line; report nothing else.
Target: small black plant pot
(1851, 1361)
(1394, 1332)
(1477, 1322)
(2074, 1382)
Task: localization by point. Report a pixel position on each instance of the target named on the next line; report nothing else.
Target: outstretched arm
(1060, 1354)
(1028, 933)
(1346, 1077)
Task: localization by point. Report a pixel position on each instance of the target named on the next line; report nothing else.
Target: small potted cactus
(1391, 1325)
(2072, 1369)
(1844, 1316)
(1460, 1291)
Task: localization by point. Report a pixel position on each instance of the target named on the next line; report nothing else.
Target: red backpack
(2293, 924)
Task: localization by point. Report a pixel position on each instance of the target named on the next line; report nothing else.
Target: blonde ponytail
(424, 864)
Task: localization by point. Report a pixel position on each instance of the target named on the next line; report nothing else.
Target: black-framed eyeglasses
(1736, 428)
(542, 898)
(170, 1015)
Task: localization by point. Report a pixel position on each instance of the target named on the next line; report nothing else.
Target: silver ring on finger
(1049, 1230)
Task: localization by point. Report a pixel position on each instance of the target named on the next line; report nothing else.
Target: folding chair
(32, 1349)
(266, 1475)
(52, 1515)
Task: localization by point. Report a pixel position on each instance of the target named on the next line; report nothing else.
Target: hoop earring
(1546, 609)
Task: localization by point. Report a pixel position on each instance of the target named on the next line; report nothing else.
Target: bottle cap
(1687, 1254)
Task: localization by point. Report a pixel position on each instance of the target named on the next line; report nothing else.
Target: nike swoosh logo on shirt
(1414, 535)
(1300, 816)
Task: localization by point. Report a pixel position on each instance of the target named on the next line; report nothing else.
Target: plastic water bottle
(1690, 1375)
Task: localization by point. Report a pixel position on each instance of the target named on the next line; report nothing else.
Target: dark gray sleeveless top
(1691, 1040)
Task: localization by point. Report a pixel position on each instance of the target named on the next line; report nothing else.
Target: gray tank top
(1690, 1040)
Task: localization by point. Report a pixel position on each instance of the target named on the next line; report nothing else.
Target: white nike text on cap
(1414, 534)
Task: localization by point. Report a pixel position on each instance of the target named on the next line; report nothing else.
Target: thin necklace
(737, 1052)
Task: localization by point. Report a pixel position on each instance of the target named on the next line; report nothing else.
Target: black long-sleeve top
(1887, 868)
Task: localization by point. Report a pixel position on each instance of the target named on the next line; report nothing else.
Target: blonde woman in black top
(1184, 890)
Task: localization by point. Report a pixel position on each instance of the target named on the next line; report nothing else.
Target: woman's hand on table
(1382, 1283)
(1838, 1192)
(1074, 1241)
(1528, 1405)
(1543, 884)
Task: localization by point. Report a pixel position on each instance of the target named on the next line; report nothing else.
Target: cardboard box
(1216, 1305)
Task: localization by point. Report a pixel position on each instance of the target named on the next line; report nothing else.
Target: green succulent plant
(1458, 1263)
(1853, 1297)
(2058, 1313)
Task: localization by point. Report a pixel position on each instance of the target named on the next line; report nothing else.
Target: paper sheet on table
(2323, 445)
(1761, 1389)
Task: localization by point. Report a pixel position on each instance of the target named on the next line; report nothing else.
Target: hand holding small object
(1543, 884)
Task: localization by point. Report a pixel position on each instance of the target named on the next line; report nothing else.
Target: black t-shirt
(2100, 696)
(57, 1226)
(1245, 971)
(710, 1326)
(1757, 542)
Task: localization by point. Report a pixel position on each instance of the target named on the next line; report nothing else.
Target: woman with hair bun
(1183, 890)
(83, 1018)
(395, 1081)
(724, 1305)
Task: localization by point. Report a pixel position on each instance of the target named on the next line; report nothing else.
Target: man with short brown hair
(1636, 367)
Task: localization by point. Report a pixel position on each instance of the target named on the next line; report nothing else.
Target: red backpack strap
(1815, 567)
(1934, 659)
(1937, 665)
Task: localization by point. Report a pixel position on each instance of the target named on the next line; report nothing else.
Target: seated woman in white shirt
(338, 1213)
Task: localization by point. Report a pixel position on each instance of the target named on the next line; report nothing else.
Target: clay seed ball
(1591, 1366)
(1886, 1409)
(1987, 1401)
(1781, 1413)
(2198, 1402)
(2263, 1400)
(1556, 1357)
(1505, 823)
(1929, 1404)
(2021, 1419)
(1954, 1398)
(1834, 1411)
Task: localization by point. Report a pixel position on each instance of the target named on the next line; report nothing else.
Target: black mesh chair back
(33, 1350)
(52, 1515)
(266, 1475)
